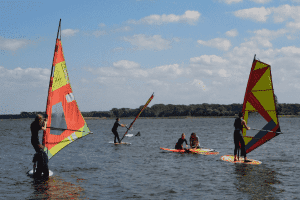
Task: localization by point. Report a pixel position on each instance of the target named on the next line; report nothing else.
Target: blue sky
(119, 52)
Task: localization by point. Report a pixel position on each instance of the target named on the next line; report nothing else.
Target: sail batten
(65, 121)
(259, 106)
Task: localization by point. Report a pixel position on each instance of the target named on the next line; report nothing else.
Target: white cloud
(118, 49)
(99, 33)
(125, 64)
(257, 14)
(69, 32)
(219, 43)
(190, 17)
(286, 12)
(231, 1)
(209, 64)
(290, 51)
(270, 33)
(261, 1)
(23, 89)
(33, 77)
(155, 42)
(223, 73)
(207, 60)
(121, 29)
(280, 14)
(101, 25)
(176, 39)
(262, 37)
(295, 25)
(198, 83)
(232, 33)
(12, 44)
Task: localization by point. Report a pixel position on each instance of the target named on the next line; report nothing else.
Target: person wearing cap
(114, 130)
(38, 124)
(239, 124)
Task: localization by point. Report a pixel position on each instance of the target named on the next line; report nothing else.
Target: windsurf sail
(65, 122)
(147, 103)
(260, 106)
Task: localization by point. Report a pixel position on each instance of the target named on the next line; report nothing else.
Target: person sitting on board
(239, 123)
(40, 164)
(38, 124)
(114, 130)
(179, 144)
(194, 141)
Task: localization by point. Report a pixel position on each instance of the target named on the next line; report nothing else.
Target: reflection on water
(256, 181)
(56, 188)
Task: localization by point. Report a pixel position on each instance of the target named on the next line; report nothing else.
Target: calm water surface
(92, 168)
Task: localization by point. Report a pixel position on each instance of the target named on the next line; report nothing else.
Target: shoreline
(172, 117)
(182, 117)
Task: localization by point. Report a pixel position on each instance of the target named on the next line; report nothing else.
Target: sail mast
(50, 81)
(149, 100)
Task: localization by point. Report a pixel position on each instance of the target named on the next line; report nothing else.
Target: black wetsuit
(238, 137)
(179, 143)
(35, 127)
(41, 159)
(115, 132)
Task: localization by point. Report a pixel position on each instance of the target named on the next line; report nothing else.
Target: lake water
(92, 168)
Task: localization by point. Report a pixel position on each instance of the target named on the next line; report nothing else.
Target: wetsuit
(179, 143)
(41, 159)
(193, 141)
(35, 127)
(115, 132)
(238, 137)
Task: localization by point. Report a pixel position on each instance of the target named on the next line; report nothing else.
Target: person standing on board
(194, 141)
(179, 144)
(239, 123)
(114, 130)
(38, 124)
(40, 157)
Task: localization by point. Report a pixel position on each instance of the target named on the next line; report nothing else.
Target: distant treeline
(161, 110)
(193, 110)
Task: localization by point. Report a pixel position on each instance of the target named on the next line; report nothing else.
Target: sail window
(58, 119)
(70, 97)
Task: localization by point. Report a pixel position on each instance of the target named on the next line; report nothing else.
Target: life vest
(194, 140)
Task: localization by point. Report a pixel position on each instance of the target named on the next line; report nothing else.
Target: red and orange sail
(63, 114)
(259, 101)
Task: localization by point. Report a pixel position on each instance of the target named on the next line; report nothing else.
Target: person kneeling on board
(114, 130)
(239, 123)
(179, 144)
(40, 164)
(194, 141)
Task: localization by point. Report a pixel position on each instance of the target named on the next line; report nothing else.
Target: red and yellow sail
(62, 110)
(260, 99)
